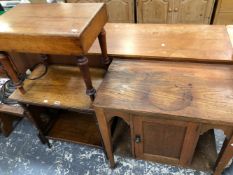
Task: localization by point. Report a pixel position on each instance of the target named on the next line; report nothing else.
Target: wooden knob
(176, 9)
(169, 10)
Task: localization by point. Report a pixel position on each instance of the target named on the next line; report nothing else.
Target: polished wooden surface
(66, 29)
(138, 41)
(168, 42)
(61, 87)
(187, 91)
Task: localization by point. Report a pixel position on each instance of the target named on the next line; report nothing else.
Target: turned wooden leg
(82, 62)
(5, 61)
(225, 156)
(106, 135)
(103, 46)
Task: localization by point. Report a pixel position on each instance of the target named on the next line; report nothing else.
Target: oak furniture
(65, 29)
(152, 42)
(171, 109)
(175, 11)
(119, 11)
(224, 12)
(158, 11)
(177, 42)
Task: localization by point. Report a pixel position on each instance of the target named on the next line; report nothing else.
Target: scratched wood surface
(209, 43)
(61, 87)
(188, 91)
(66, 29)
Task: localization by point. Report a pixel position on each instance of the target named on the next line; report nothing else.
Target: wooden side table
(66, 29)
(59, 29)
(171, 109)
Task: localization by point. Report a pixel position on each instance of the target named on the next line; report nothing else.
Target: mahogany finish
(65, 29)
(82, 62)
(168, 102)
(178, 42)
(103, 46)
(143, 41)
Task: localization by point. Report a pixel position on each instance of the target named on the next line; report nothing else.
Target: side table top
(67, 29)
(178, 42)
(192, 91)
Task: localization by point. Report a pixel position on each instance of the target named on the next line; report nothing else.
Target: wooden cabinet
(154, 11)
(224, 12)
(194, 12)
(174, 11)
(158, 11)
(170, 146)
(120, 10)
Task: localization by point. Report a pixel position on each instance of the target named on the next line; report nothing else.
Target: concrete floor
(23, 154)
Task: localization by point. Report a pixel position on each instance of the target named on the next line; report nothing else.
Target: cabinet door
(224, 12)
(120, 10)
(154, 11)
(226, 6)
(193, 12)
(224, 19)
(166, 141)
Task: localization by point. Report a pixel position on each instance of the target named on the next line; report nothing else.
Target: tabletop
(192, 91)
(182, 42)
(68, 29)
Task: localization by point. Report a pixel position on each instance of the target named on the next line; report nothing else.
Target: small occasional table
(59, 29)
(171, 109)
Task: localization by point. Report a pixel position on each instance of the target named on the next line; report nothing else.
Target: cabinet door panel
(170, 141)
(195, 12)
(154, 11)
(166, 141)
(120, 10)
(224, 19)
(226, 6)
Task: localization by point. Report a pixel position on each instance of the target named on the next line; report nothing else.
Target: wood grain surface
(187, 91)
(209, 43)
(61, 87)
(66, 29)
(13, 110)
